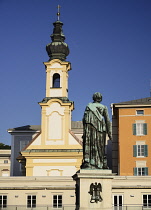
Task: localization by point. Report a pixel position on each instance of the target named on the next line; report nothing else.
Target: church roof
(75, 125)
(26, 128)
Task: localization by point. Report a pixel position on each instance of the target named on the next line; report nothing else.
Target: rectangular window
(140, 129)
(140, 171)
(22, 167)
(31, 201)
(57, 201)
(140, 150)
(117, 202)
(3, 201)
(139, 112)
(23, 144)
(147, 201)
(5, 161)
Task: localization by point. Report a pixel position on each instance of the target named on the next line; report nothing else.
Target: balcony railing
(131, 207)
(72, 207)
(21, 207)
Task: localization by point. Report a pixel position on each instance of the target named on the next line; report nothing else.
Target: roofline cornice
(131, 105)
(22, 131)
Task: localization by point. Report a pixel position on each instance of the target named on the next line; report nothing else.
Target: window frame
(140, 150)
(119, 205)
(30, 201)
(141, 171)
(57, 205)
(140, 129)
(23, 144)
(139, 110)
(148, 204)
(3, 204)
(56, 80)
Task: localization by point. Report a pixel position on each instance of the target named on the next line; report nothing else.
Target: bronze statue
(96, 124)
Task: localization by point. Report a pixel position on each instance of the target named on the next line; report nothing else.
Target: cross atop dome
(58, 13)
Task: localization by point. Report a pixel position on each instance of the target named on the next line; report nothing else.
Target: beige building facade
(47, 193)
(5, 156)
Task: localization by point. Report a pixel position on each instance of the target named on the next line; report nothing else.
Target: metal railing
(71, 207)
(131, 207)
(46, 207)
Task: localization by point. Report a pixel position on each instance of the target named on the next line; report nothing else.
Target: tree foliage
(4, 146)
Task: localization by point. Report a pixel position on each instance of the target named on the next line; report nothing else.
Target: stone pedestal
(84, 178)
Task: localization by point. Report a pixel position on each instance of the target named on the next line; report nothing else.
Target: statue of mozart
(96, 124)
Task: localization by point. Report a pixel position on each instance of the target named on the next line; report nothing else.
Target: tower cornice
(54, 61)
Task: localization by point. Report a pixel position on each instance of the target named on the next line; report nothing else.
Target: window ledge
(140, 156)
(141, 135)
(55, 87)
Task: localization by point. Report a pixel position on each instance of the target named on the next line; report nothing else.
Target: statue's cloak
(95, 126)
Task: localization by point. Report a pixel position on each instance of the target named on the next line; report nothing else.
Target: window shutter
(145, 128)
(135, 171)
(134, 129)
(134, 150)
(146, 150)
(146, 171)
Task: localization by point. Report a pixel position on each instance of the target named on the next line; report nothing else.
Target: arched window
(56, 81)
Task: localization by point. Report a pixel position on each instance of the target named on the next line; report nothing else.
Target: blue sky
(110, 52)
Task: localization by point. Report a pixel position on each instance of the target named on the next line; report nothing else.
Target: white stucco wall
(54, 115)
(37, 141)
(54, 170)
(72, 140)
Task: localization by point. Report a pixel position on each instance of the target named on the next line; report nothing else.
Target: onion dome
(57, 49)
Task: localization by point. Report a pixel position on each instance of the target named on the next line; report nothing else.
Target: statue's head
(97, 97)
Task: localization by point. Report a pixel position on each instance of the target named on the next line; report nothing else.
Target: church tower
(56, 107)
(56, 150)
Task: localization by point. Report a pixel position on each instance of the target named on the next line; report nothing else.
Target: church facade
(54, 149)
